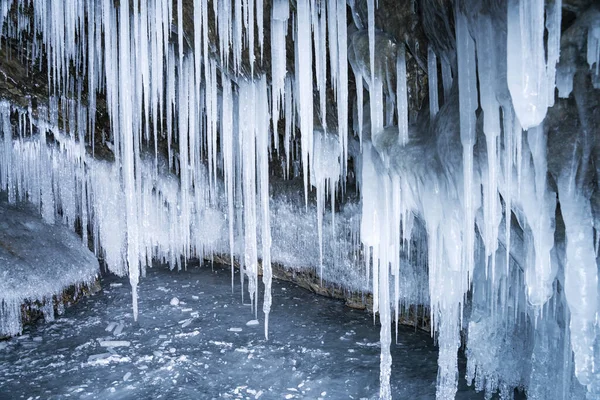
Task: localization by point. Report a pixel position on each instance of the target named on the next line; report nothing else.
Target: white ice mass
(487, 213)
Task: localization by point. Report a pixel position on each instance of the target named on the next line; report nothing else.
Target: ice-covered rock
(37, 262)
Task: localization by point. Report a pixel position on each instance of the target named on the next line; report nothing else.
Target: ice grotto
(439, 155)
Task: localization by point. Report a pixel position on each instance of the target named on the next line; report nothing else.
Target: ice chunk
(96, 357)
(111, 326)
(119, 329)
(114, 343)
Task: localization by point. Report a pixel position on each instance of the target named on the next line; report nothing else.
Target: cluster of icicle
(159, 83)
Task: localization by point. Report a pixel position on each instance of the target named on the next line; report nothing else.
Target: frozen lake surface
(193, 341)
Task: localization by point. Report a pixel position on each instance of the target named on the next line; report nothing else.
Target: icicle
(553, 26)
(398, 242)
(359, 104)
(225, 30)
(237, 35)
(486, 68)
(342, 84)
(446, 78)
(129, 157)
(581, 276)
(229, 173)
(184, 86)
(593, 46)
(259, 25)
(91, 68)
(262, 152)
(432, 76)
(249, 10)
(385, 335)
(402, 95)
(467, 81)
(527, 71)
(289, 120)
(170, 100)
(371, 28)
(376, 103)
(508, 125)
(212, 118)
(564, 80)
(538, 205)
(305, 86)
(332, 38)
(319, 33)
(247, 118)
(279, 25)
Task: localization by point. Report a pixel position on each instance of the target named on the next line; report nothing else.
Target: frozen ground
(200, 346)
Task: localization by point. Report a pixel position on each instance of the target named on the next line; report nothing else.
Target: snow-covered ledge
(38, 261)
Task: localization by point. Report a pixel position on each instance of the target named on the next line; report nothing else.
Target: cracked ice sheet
(318, 347)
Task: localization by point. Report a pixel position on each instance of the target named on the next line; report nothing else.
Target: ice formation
(467, 213)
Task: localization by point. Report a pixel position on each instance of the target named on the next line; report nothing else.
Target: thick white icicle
(262, 152)
(228, 171)
(486, 68)
(305, 86)
(129, 157)
(581, 276)
(530, 79)
(279, 26)
(184, 86)
(247, 126)
(539, 206)
(225, 29)
(451, 266)
(386, 256)
(467, 83)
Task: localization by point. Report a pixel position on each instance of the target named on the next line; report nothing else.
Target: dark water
(203, 349)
